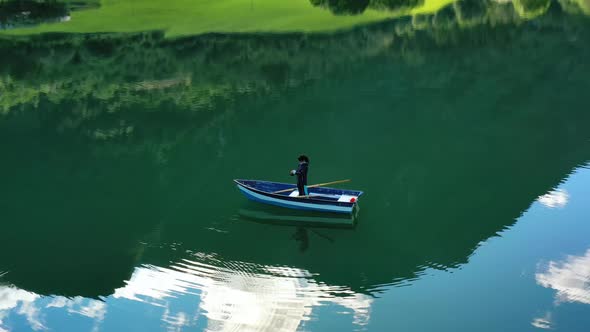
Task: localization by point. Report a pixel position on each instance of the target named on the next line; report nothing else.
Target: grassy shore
(191, 17)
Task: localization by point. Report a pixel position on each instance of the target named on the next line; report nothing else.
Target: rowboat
(286, 195)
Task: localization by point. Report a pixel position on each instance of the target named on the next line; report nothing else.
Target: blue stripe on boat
(325, 199)
(294, 205)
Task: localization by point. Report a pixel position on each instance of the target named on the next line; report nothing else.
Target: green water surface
(467, 127)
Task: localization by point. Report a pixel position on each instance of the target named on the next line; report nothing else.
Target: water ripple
(240, 296)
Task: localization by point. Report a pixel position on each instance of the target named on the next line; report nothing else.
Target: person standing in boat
(301, 173)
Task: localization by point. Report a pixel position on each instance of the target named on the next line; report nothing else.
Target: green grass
(191, 17)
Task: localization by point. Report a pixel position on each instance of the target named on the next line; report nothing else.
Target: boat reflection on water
(281, 216)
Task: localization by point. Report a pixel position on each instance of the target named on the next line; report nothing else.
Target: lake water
(466, 124)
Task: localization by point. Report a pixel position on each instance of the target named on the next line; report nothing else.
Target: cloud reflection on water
(254, 298)
(238, 296)
(569, 277)
(11, 297)
(34, 307)
(542, 322)
(555, 198)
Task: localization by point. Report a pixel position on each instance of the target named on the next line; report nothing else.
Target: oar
(313, 186)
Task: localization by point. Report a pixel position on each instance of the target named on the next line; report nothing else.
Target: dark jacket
(301, 173)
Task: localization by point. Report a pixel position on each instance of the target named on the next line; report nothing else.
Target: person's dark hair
(303, 158)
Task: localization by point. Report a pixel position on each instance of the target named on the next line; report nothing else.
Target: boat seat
(347, 198)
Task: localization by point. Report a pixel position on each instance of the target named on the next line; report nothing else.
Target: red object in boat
(352, 200)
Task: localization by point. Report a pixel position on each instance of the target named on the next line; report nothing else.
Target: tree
(342, 7)
(395, 4)
(22, 12)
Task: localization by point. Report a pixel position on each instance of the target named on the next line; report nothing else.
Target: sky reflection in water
(186, 293)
